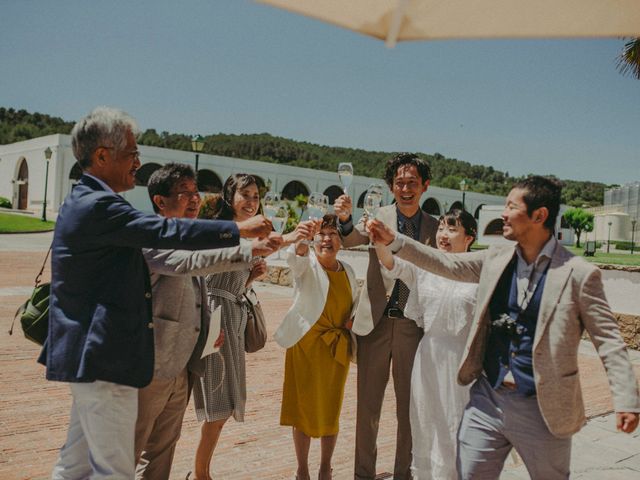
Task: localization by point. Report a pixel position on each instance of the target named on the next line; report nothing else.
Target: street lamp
(609, 237)
(197, 145)
(463, 187)
(47, 156)
(633, 231)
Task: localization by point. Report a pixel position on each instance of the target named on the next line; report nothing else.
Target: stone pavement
(34, 412)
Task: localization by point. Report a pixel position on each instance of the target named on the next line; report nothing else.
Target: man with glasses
(100, 337)
(180, 319)
(386, 338)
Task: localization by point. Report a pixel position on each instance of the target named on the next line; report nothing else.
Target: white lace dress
(444, 308)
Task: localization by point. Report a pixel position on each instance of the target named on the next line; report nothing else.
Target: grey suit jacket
(573, 300)
(180, 306)
(376, 290)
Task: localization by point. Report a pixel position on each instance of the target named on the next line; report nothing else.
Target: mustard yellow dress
(316, 368)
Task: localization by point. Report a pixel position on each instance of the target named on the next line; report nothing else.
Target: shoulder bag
(255, 333)
(34, 313)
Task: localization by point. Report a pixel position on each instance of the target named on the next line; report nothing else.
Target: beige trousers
(392, 343)
(161, 407)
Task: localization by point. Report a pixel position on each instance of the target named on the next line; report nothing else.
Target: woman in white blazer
(319, 345)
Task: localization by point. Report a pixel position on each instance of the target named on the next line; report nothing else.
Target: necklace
(337, 269)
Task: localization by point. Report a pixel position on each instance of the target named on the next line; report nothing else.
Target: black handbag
(34, 313)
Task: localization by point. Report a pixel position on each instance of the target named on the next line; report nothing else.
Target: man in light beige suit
(385, 336)
(180, 320)
(534, 300)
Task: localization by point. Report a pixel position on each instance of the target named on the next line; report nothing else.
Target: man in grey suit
(180, 319)
(385, 336)
(534, 301)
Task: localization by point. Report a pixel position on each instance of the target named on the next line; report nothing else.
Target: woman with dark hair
(319, 346)
(222, 392)
(444, 309)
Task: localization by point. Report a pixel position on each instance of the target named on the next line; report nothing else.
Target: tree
(629, 59)
(579, 221)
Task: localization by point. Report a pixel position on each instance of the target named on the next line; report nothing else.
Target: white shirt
(528, 275)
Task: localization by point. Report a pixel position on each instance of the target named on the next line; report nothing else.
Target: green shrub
(5, 202)
(626, 246)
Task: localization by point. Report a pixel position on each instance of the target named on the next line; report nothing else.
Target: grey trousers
(494, 422)
(161, 407)
(392, 343)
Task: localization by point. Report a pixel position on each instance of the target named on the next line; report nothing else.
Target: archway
(431, 206)
(294, 188)
(333, 192)
(457, 205)
(494, 227)
(22, 181)
(209, 181)
(144, 172)
(476, 215)
(75, 173)
(360, 203)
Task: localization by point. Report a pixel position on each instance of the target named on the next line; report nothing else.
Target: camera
(507, 325)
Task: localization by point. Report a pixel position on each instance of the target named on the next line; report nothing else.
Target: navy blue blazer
(100, 324)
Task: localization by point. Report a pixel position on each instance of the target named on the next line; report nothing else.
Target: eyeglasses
(134, 153)
(331, 235)
(186, 195)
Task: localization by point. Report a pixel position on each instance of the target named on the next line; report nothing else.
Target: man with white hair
(100, 337)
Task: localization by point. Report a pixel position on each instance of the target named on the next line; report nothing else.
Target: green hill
(18, 125)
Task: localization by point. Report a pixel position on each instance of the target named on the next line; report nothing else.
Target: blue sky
(201, 66)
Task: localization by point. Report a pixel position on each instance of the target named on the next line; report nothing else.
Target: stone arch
(144, 172)
(21, 185)
(476, 215)
(209, 181)
(294, 188)
(333, 192)
(494, 227)
(360, 203)
(432, 206)
(456, 204)
(75, 173)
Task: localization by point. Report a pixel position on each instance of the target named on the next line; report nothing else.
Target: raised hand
(343, 207)
(258, 270)
(266, 246)
(255, 227)
(304, 231)
(379, 232)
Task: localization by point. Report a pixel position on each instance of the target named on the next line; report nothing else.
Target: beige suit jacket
(376, 290)
(573, 300)
(180, 306)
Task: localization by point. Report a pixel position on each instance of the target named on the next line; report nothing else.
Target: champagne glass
(345, 174)
(317, 205)
(270, 204)
(373, 202)
(279, 221)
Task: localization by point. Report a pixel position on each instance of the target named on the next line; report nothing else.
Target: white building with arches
(23, 167)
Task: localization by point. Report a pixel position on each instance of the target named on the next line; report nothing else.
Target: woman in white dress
(444, 308)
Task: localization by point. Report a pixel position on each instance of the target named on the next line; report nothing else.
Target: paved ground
(34, 412)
